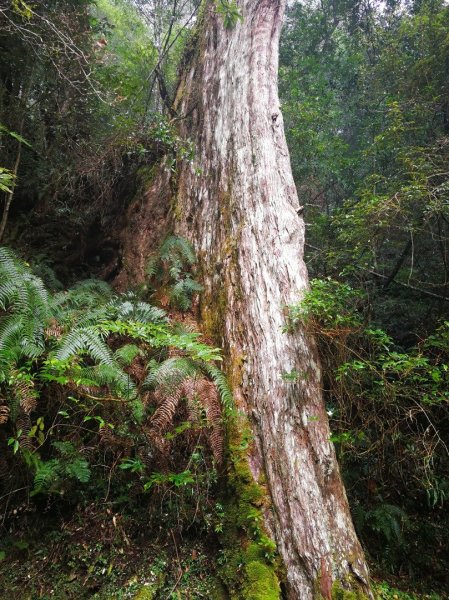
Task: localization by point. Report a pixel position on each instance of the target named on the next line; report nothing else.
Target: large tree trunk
(238, 205)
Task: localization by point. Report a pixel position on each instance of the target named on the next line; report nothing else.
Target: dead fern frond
(25, 393)
(54, 330)
(4, 414)
(163, 416)
(205, 392)
(28, 404)
(23, 424)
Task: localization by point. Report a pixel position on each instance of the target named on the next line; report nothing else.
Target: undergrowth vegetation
(388, 414)
(98, 386)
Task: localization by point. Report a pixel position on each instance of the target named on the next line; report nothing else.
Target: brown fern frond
(163, 416)
(4, 414)
(28, 404)
(194, 406)
(202, 397)
(25, 393)
(211, 402)
(23, 424)
(204, 392)
(137, 369)
(146, 455)
(54, 330)
(106, 435)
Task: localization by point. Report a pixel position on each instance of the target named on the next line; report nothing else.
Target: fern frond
(46, 475)
(88, 294)
(170, 374)
(176, 248)
(78, 469)
(132, 309)
(206, 393)
(219, 379)
(87, 340)
(163, 416)
(182, 292)
(126, 354)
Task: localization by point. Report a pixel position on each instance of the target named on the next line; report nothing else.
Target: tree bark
(238, 206)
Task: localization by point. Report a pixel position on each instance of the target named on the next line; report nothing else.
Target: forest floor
(96, 552)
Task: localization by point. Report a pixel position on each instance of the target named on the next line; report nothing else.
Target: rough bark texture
(238, 205)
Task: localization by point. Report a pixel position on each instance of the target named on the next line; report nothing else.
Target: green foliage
(25, 312)
(79, 416)
(230, 12)
(170, 267)
(7, 179)
(332, 302)
(383, 402)
(51, 476)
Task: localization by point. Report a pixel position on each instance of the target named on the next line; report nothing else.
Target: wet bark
(238, 206)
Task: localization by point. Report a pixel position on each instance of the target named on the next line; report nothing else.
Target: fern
(25, 303)
(84, 340)
(126, 354)
(169, 374)
(46, 475)
(130, 308)
(222, 385)
(387, 520)
(78, 469)
(170, 265)
(182, 292)
(177, 250)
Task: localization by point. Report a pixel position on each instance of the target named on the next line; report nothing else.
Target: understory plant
(102, 393)
(388, 413)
